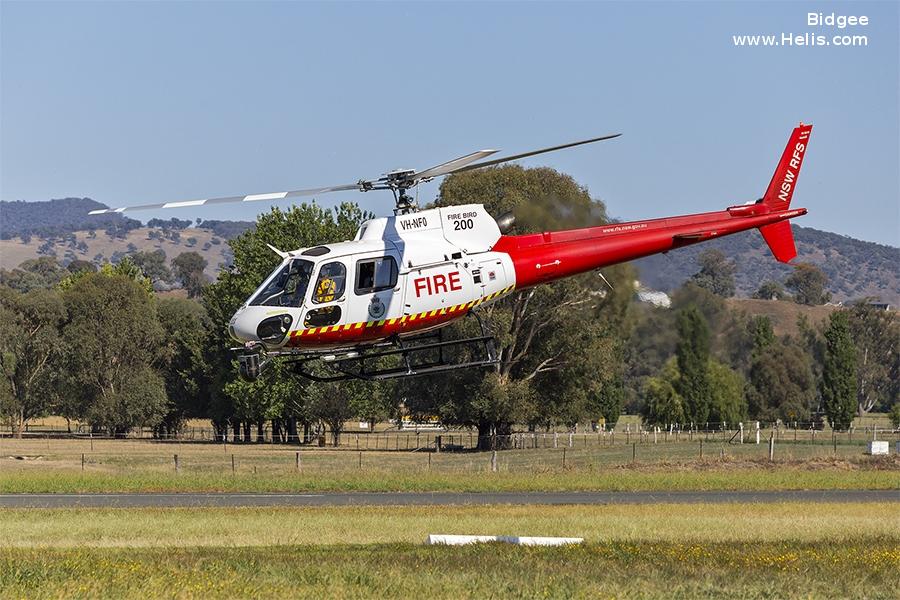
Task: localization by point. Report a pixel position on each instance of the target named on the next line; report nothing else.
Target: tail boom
(543, 257)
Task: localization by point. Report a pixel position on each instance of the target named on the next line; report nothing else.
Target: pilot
(326, 290)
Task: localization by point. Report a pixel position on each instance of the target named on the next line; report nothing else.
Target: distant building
(656, 298)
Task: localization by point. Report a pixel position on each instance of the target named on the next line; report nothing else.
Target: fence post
(571, 435)
(360, 460)
(429, 461)
(757, 432)
(82, 461)
(92, 441)
(564, 458)
(232, 464)
(741, 427)
(176, 463)
(297, 461)
(701, 448)
(772, 447)
(633, 451)
(556, 439)
(493, 461)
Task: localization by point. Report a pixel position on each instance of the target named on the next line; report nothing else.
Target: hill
(63, 228)
(57, 217)
(855, 268)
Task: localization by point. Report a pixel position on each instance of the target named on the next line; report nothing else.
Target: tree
(894, 414)
(692, 355)
(188, 269)
(782, 385)
(186, 374)
(664, 405)
(29, 337)
(808, 284)
(558, 344)
(153, 265)
(875, 334)
(839, 371)
(769, 290)
(34, 273)
(609, 401)
(81, 265)
(727, 387)
(330, 403)
(306, 225)
(716, 273)
(111, 343)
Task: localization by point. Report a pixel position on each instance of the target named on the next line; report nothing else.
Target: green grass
(194, 527)
(853, 568)
(711, 475)
(638, 551)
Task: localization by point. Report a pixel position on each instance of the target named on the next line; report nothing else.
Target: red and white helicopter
(390, 290)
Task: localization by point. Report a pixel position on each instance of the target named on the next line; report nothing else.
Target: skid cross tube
(345, 370)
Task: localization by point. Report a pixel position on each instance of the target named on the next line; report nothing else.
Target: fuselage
(407, 274)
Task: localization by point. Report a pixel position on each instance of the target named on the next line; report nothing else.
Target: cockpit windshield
(286, 286)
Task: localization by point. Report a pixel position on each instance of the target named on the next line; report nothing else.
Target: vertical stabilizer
(780, 192)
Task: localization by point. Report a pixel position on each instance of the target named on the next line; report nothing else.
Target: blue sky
(130, 103)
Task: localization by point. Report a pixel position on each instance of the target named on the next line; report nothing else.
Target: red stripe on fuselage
(542, 257)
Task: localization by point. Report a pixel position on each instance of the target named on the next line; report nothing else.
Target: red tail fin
(780, 191)
(784, 180)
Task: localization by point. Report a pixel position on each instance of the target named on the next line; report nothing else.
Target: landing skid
(407, 357)
(416, 357)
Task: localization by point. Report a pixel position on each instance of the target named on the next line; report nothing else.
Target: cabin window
(330, 285)
(286, 286)
(375, 274)
(322, 317)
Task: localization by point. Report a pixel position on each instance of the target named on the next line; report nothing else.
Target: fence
(449, 440)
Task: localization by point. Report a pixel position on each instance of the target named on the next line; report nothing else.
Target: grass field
(639, 551)
(744, 551)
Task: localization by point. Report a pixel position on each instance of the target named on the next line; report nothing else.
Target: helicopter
(343, 310)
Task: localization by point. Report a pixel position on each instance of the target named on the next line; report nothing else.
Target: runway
(232, 500)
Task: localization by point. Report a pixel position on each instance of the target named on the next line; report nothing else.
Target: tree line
(99, 346)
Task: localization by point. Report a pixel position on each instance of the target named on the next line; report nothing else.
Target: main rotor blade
(451, 165)
(497, 161)
(229, 199)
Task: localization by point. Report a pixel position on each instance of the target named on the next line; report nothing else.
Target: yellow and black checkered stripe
(404, 322)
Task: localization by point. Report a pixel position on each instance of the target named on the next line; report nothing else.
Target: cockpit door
(327, 296)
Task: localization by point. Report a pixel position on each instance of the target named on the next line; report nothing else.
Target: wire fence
(400, 453)
(453, 440)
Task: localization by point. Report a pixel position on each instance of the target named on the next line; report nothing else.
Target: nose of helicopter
(242, 327)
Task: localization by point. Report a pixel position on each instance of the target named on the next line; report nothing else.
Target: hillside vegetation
(855, 269)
